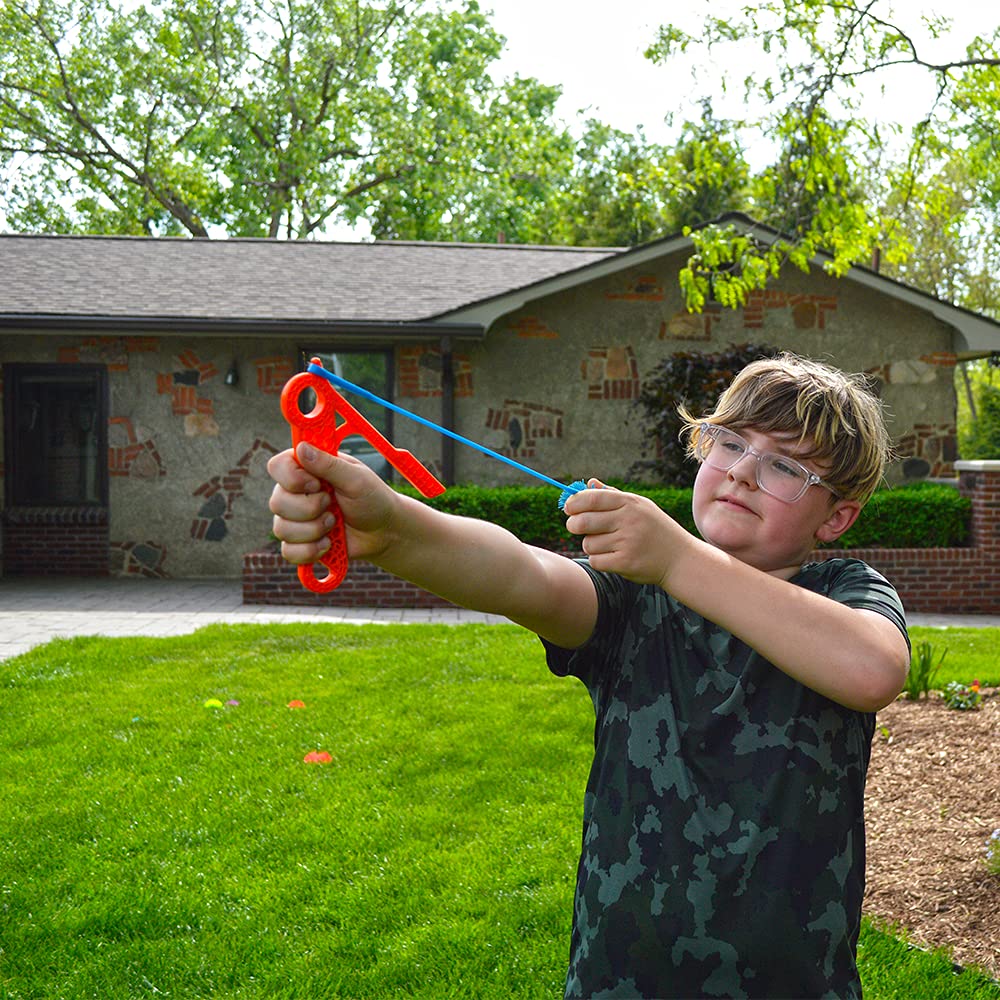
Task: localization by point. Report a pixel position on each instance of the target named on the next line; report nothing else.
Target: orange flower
(317, 757)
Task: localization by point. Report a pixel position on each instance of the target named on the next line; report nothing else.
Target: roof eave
(369, 331)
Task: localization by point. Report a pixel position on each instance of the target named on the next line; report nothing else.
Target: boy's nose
(744, 472)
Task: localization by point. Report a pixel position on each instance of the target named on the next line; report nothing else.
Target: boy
(734, 684)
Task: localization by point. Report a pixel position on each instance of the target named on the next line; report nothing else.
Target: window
(55, 434)
(372, 370)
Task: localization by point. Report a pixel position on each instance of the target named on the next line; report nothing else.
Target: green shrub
(993, 853)
(694, 379)
(927, 515)
(917, 516)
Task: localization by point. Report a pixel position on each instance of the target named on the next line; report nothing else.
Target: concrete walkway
(33, 611)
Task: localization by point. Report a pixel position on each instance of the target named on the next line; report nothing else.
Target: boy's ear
(842, 516)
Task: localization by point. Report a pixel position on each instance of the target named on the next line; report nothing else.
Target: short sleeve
(855, 584)
(614, 597)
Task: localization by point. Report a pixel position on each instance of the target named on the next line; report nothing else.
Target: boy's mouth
(732, 501)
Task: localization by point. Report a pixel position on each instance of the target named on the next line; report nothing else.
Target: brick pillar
(980, 482)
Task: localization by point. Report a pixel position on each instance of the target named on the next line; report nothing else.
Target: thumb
(342, 472)
(313, 460)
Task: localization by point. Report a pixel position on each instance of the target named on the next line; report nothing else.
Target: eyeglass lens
(778, 475)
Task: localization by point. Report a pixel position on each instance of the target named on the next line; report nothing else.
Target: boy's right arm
(471, 563)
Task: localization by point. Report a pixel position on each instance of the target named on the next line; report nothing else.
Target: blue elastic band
(342, 383)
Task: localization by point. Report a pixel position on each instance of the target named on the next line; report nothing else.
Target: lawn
(972, 654)
(161, 833)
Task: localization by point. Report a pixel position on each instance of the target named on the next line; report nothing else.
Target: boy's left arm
(856, 657)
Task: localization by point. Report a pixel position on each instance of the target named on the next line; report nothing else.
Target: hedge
(923, 515)
(916, 516)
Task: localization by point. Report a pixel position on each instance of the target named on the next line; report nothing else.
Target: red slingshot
(326, 426)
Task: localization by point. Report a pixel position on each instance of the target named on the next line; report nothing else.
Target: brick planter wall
(268, 579)
(55, 541)
(946, 581)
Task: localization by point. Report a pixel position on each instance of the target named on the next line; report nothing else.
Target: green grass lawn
(151, 846)
(973, 654)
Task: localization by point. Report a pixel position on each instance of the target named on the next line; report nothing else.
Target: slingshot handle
(317, 429)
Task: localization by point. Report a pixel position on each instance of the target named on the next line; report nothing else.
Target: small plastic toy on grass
(332, 419)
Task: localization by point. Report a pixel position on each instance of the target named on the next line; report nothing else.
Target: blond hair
(836, 416)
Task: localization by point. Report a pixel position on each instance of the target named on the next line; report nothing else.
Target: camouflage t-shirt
(723, 832)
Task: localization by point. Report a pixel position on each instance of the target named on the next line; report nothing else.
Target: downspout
(447, 412)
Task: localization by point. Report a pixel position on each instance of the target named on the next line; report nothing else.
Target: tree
(819, 54)
(615, 192)
(979, 408)
(953, 235)
(265, 118)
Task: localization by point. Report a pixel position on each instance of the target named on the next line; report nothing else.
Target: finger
(346, 474)
(591, 523)
(595, 545)
(298, 506)
(304, 554)
(594, 500)
(302, 531)
(288, 473)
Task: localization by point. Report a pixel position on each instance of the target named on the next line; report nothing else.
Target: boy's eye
(732, 447)
(788, 469)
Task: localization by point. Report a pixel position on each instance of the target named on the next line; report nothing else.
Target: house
(141, 377)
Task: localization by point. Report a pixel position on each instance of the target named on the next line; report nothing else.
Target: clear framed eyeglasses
(778, 475)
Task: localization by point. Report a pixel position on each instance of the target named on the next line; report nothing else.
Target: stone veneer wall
(944, 580)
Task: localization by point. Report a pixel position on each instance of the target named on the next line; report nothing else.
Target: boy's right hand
(301, 503)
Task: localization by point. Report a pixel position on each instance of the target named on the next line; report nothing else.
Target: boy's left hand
(625, 533)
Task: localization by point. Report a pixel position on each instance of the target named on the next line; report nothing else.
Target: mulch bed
(933, 799)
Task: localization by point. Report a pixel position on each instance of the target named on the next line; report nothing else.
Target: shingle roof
(396, 282)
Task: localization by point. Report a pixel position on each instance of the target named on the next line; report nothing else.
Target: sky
(598, 57)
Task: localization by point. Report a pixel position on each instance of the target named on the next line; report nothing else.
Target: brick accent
(808, 311)
(132, 457)
(948, 581)
(611, 373)
(525, 423)
(273, 373)
(218, 494)
(420, 373)
(55, 541)
(683, 325)
(532, 328)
